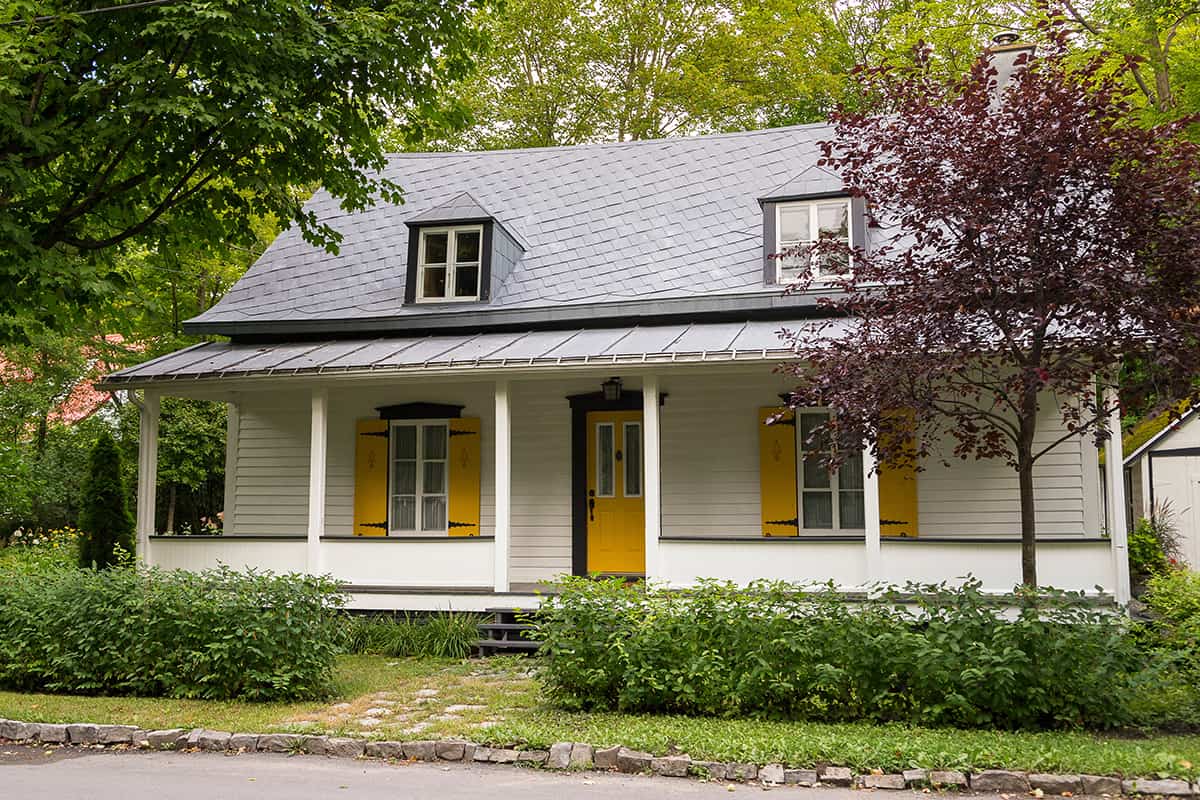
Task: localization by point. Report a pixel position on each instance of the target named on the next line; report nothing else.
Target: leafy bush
(451, 635)
(1170, 688)
(106, 522)
(218, 634)
(937, 656)
(1154, 544)
(56, 548)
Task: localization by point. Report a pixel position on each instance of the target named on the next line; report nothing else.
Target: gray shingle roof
(608, 223)
(684, 343)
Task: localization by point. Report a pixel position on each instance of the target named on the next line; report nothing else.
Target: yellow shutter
(463, 515)
(898, 496)
(370, 477)
(777, 472)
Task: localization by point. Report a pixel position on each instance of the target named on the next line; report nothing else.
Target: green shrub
(219, 634)
(1170, 687)
(936, 656)
(105, 520)
(450, 635)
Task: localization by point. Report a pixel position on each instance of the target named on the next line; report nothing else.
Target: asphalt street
(73, 774)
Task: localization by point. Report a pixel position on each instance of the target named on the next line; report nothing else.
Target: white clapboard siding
(271, 464)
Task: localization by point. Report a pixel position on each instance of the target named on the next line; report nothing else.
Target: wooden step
(506, 644)
(503, 626)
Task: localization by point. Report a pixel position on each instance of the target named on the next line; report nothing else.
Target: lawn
(496, 701)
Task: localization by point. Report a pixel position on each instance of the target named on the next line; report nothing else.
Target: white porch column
(871, 514)
(503, 466)
(652, 482)
(1114, 476)
(318, 445)
(147, 473)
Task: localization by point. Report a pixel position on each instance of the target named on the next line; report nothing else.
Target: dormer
(458, 252)
(811, 206)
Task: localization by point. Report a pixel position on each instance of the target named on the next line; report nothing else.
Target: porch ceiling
(726, 341)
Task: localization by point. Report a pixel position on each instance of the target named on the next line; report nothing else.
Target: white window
(417, 502)
(448, 261)
(829, 501)
(804, 224)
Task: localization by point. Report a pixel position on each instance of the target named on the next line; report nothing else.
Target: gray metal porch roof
(682, 343)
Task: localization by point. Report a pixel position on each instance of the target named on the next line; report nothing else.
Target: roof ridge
(608, 145)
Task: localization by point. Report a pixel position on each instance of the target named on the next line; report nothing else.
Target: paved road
(73, 774)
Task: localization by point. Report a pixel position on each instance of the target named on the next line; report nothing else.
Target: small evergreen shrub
(934, 656)
(451, 635)
(105, 519)
(218, 634)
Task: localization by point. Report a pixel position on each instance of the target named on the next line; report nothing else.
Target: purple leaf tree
(1026, 239)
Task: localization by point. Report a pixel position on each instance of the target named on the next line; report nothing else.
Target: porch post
(652, 484)
(503, 466)
(147, 473)
(1114, 476)
(871, 516)
(318, 444)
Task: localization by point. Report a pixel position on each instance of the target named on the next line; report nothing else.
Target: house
(1163, 475)
(562, 360)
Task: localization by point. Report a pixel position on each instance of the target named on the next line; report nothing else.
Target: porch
(292, 487)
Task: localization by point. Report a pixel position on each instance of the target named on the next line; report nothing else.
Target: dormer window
(804, 223)
(448, 263)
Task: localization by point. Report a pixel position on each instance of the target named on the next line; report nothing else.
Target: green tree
(191, 457)
(121, 121)
(105, 521)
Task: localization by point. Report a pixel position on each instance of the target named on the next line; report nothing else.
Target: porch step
(504, 633)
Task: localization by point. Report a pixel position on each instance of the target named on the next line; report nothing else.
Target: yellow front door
(616, 511)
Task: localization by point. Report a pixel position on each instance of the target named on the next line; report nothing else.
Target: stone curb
(581, 756)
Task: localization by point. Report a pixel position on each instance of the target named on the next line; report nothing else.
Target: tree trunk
(171, 510)
(1028, 526)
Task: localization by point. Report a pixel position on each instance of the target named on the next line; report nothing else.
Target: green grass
(495, 701)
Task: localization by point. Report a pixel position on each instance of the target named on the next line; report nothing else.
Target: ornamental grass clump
(932, 655)
(217, 634)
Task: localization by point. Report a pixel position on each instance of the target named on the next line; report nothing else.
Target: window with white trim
(829, 501)
(448, 264)
(418, 490)
(802, 224)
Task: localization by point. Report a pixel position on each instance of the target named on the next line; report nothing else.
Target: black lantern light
(611, 389)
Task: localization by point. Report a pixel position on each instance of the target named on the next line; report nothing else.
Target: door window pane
(818, 510)
(633, 459)
(604, 460)
(433, 514)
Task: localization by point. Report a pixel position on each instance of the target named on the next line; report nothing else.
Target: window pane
(404, 513)
(633, 459)
(604, 465)
(434, 443)
(435, 248)
(815, 474)
(818, 510)
(466, 282)
(809, 422)
(793, 224)
(433, 513)
(435, 282)
(435, 477)
(404, 477)
(850, 476)
(833, 220)
(851, 509)
(405, 438)
(466, 246)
